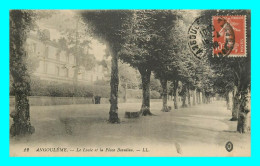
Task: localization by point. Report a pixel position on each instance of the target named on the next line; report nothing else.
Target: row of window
(52, 69)
(50, 52)
(66, 72)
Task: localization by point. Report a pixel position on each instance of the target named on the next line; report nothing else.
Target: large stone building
(57, 65)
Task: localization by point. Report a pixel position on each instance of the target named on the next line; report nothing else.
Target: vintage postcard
(130, 83)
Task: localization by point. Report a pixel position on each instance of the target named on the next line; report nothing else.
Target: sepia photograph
(130, 83)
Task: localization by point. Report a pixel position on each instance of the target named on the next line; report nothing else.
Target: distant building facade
(57, 65)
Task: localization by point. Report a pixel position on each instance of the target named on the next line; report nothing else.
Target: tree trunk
(184, 100)
(21, 114)
(145, 75)
(230, 96)
(20, 22)
(198, 97)
(176, 93)
(21, 117)
(236, 104)
(188, 93)
(228, 102)
(194, 97)
(164, 95)
(203, 97)
(184, 96)
(125, 93)
(244, 117)
(207, 99)
(113, 112)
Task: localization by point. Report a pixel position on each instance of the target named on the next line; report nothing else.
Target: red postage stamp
(229, 36)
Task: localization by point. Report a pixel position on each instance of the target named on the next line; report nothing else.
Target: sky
(67, 19)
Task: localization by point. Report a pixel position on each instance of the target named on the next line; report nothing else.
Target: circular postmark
(200, 37)
(229, 146)
(211, 36)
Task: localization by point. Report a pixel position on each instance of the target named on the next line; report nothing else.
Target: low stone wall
(46, 100)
